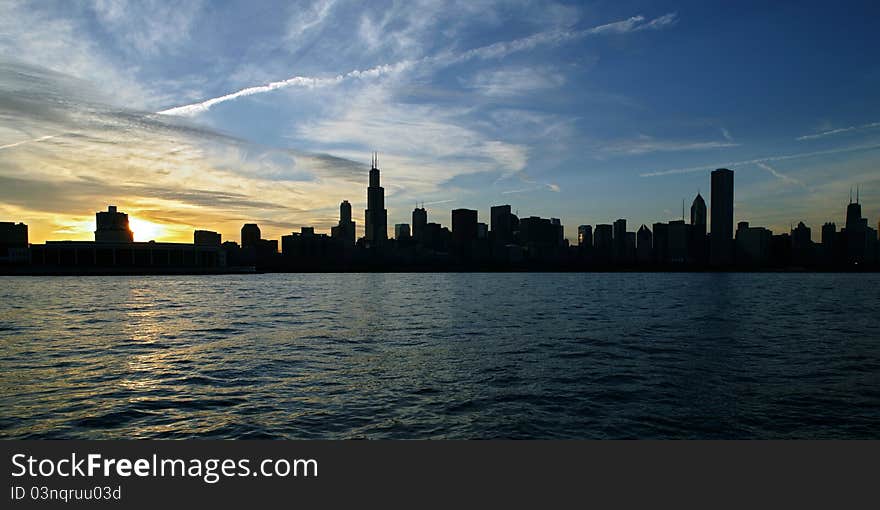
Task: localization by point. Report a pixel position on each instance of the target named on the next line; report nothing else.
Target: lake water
(445, 355)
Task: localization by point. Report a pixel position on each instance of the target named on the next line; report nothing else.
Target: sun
(145, 230)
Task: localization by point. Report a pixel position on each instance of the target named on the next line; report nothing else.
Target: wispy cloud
(494, 51)
(823, 134)
(514, 81)
(726, 134)
(24, 142)
(647, 144)
(785, 157)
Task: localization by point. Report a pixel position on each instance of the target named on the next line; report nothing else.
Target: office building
(401, 231)
(721, 240)
(464, 225)
(345, 229)
(603, 243)
(13, 243)
(698, 215)
(376, 214)
(644, 244)
(206, 237)
(419, 223)
(585, 236)
(752, 244)
(250, 235)
(501, 223)
(112, 227)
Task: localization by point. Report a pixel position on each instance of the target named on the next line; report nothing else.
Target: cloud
(726, 134)
(514, 81)
(23, 142)
(496, 50)
(646, 144)
(635, 24)
(148, 27)
(840, 150)
(872, 125)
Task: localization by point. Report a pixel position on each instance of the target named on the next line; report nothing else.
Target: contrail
(761, 160)
(778, 175)
(838, 131)
(23, 142)
(495, 50)
(297, 81)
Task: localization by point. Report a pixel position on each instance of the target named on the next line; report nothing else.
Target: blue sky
(586, 111)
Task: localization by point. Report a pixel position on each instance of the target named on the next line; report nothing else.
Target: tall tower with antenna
(376, 214)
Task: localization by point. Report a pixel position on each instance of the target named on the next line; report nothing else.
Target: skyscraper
(401, 231)
(112, 227)
(345, 230)
(585, 236)
(619, 239)
(698, 215)
(721, 240)
(464, 225)
(419, 223)
(250, 235)
(644, 244)
(376, 214)
(501, 222)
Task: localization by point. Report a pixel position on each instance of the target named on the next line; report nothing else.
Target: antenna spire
(857, 193)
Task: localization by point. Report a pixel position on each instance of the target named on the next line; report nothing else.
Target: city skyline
(583, 112)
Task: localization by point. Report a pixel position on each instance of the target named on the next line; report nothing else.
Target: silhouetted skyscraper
(345, 230)
(501, 222)
(206, 238)
(853, 212)
(721, 241)
(401, 231)
(376, 214)
(464, 225)
(419, 223)
(698, 215)
(603, 242)
(585, 236)
(644, 244)
(112, 227)
(619, 239)
(250, 235)
(13, 242)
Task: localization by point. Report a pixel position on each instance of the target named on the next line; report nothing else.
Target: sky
(210, 114)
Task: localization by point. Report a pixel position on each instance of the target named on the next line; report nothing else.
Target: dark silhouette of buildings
(345, 229)
(112, 227)
(115, 252)
(531, 243)
(720, 242)
(376, 214)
